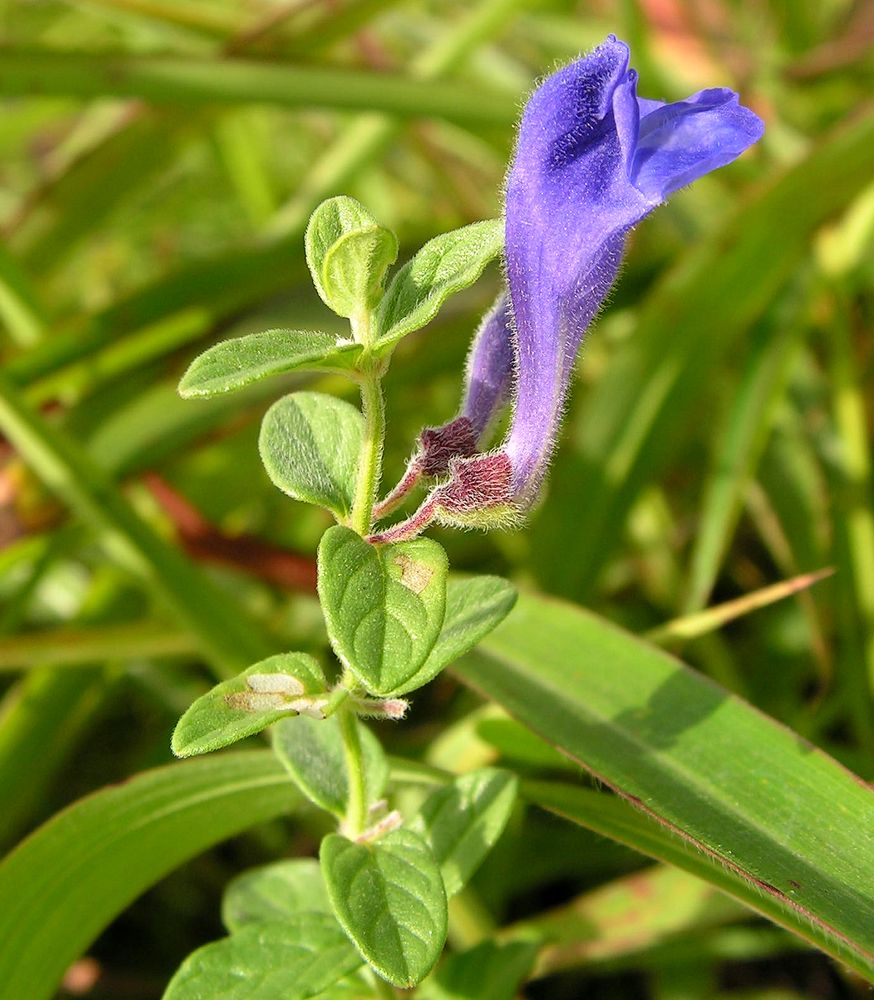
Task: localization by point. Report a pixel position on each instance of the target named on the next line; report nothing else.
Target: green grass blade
(775, 811)
(184, 81)
(225, 635)
(209, 289)
(738, 450)
(211, 22)
(240, 148)
(627, 425)
(76, 203)
(854, 525)
(21, 312)
(42, 720)
(629, 915)
(71, 878)
(489, 601)
(236, 278)
(613, 817)
(717, 615)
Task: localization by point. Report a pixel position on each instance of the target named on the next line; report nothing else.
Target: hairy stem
(356, 809)
(373, 408)
(412, 527)
(381, 988)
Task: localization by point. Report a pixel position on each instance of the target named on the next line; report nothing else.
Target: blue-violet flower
(592, 160)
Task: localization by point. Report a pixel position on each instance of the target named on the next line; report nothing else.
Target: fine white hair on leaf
(313, 707)
(258, 701)
(275, 684)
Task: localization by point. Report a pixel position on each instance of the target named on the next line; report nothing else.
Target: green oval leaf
(390, 899)
(445, 265)
(463, 821)
(261, 695)
(236, 363)
(274, 892)
(293, 959)
(474, 607)
(312, 752)
(384, 605)
(309, 444)
(348, 253)
(780, 814)
(64, 884)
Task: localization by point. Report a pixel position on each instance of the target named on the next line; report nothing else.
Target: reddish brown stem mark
(246, 553)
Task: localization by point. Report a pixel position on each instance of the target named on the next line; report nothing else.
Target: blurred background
(158, 163)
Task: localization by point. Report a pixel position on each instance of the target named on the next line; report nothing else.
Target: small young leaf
(294, 958)
(489, 970)
(474, 607)
(244, 706)
(463, 821)
(383, 605)
(275, 892)
(445, 265)
(309, 445)
(235, 363)
(390, 899)
(348, 253)
(312, 751)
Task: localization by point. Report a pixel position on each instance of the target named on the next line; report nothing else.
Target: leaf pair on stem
(394, 620)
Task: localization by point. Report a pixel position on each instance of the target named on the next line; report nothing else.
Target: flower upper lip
(592, 160)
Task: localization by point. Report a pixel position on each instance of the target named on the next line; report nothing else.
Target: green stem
(356, 810)
(381, 988)
(338, 696)
(373, 408)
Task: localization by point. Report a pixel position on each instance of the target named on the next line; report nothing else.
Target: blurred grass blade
(775, 811)
(77, 202)
(126, 354)
(192, 299)
(738, 450)
(186, 81)
(613, 817)
(336, 23)
(371, 133)
(144, 142)
(42, 716)
(236, 278)
(790, 501)
(212, 21)
(71, 878)
(632, 914)
(77, 646)
(42, 720)
(691, 626)
(225, 635)
(628, 424)
(790, 506)
(854, 526)
(241, 150)
(20, 310)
